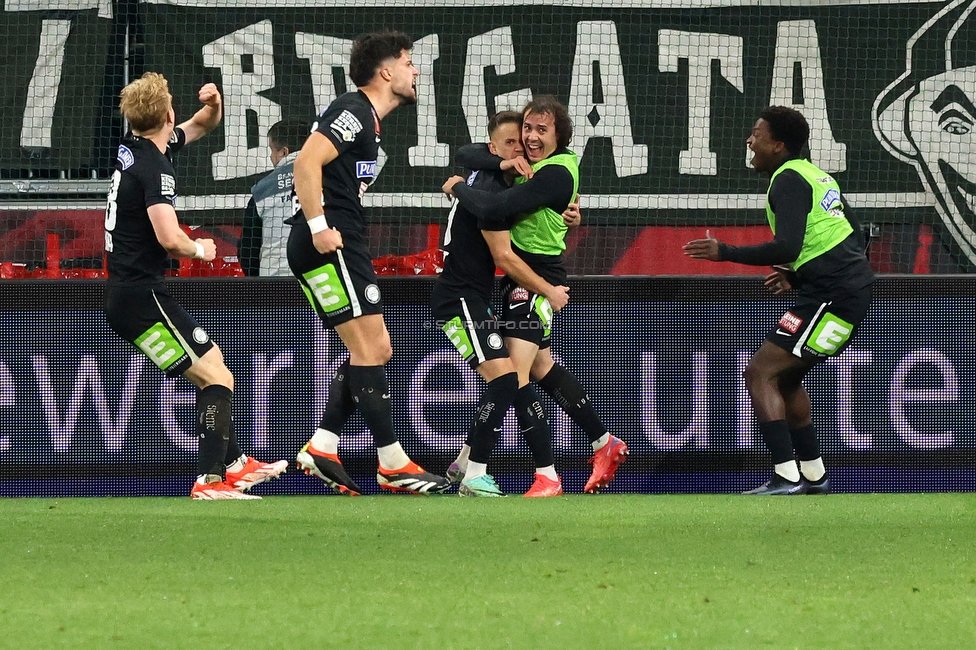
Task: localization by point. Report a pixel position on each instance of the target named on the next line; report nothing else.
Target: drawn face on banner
(927, 117)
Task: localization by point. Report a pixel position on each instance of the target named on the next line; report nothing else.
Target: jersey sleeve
(494, 223)
(177, 140)
(790, 199)
(477, 156)
(157, 181)
(344, 124)
(551, 187)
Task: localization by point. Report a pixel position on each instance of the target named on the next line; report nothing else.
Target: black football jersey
(354, 128)
(469, 266)
(143, 177)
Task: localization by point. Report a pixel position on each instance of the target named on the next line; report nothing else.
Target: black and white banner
(54, 60)
(662, 93)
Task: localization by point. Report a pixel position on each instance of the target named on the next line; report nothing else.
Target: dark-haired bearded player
(327, 252)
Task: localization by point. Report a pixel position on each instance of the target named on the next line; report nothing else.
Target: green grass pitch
(608, 571)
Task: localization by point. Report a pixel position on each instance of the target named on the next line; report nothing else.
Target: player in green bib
(536, 203)
(817, 250)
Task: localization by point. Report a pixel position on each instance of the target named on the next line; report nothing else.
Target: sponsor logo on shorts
(365, 168)
(126, 157)
(519, 294)
(830, 334)
(160, 346)
(325, 288)
(454, 329)
(790, 322)
(494, 341)
(372, 294)
(200, 336)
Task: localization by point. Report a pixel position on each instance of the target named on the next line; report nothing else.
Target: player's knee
(224, 377)
(754, 376)
(211, 370)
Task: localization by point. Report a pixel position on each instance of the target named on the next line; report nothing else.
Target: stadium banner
(662, 93)
(664, 369)
(54, 64)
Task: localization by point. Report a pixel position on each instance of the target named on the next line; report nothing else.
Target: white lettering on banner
(899, 395)
(607, 116)
(491, 50)
(696, 433)
(845, 363)
(797, 42)
(172, 402)
(8, 397)
(428, 152)
(87, 380)
(263, 374)
(240, 97)
(104, 6)
(42, 93)
(700, 49)
(325, 54)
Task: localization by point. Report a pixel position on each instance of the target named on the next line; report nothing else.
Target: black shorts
(150, 319)
(526, 315)
(471, 326)
(817, 330)
(340, 285)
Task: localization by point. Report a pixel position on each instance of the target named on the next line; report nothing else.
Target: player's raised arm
(207, 118)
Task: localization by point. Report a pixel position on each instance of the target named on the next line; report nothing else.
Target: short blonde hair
(145, 102)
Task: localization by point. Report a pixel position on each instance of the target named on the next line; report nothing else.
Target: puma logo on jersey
(365, 168)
